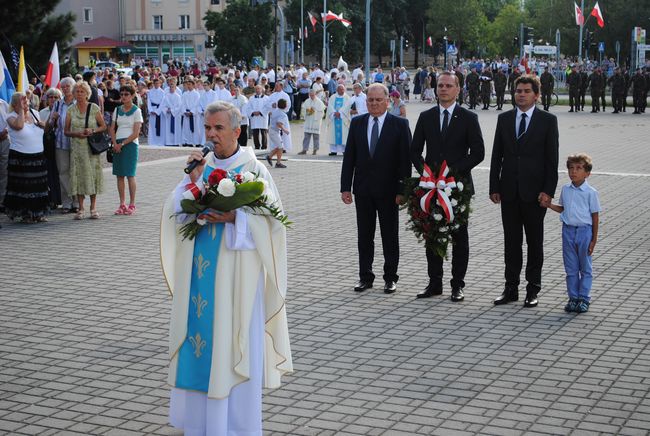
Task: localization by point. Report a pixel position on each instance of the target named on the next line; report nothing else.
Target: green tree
(33, 26)
(241, 31)
(492, 8)
(465, 23)
(503, 30)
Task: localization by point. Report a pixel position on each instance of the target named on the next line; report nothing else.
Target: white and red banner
(596, 12)
(312, 20)
(53, 76)
(580, 19)
(430, 42)
(440, 187)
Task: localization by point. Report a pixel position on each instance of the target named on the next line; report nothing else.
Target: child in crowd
(279, 134)
(578, 207)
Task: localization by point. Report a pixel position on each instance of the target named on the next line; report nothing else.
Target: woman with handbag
(83, 120)
(26, 195)
(125, 130)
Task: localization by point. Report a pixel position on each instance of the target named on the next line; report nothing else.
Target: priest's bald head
(222, 128)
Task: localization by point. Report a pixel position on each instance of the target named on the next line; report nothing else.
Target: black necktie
(374, 136)
(445, 123)
(522, 126)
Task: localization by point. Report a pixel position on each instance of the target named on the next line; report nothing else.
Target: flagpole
(582, 24)
(368, 2)
(324, 17)
(302, 33)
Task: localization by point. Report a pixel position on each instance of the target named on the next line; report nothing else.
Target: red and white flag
(430, 42)
(599, 15)
(52, 76)
(580, 19)
(312, 20)
(329, 16)
(306, 33)
(343, 21)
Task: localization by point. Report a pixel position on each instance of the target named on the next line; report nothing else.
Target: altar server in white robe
(156, 117)
(257, 110)
(228, 334)
(223, 94)
(191, 109)
(338, 120)
(279, 94)
(172, 107)
(208, 96)
(240, 102)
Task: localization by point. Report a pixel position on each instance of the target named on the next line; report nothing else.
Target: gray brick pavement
(83, 325)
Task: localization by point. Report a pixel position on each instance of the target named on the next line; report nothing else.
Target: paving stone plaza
(84, 313)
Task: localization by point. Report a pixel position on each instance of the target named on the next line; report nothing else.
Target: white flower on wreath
(462, 208)
(437, 217)
(226, 188)
(201, 221)
(448, 191)
(248, 176)
(460, 186)
(454, 202)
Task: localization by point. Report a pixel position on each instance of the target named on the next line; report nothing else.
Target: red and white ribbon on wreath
(193, 191)
(437, 186)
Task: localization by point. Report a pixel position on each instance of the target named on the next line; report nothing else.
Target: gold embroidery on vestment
(198, 344)
(200, 304)
(201, 265)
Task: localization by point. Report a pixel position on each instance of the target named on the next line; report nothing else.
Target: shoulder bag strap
(87, 113)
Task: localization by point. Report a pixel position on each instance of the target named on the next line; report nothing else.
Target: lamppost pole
(368, 2)
(324, 59)
(302, 33)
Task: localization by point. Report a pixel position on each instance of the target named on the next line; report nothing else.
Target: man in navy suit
(523, 173)
(451, 134)
(375, 163)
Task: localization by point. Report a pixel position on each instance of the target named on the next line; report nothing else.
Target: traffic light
(528, 34)
(210, 42)
(298, 44)
(406, 44)
(515, 41)
(331, 38)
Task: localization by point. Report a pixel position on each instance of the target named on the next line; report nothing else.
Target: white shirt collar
(529, 112)
(450, 109)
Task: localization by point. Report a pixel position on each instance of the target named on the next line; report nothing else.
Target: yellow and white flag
(23, 81)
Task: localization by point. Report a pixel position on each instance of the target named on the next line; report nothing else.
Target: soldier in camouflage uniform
(617, 83)
(472, 81)
(548, 83)
(461, 83)
(500, 82)
(511, 83)
(596, 86)
(486, 87)
(573, 82)
(626, 76)
(583, 86)
(638, 90)
(603, 89)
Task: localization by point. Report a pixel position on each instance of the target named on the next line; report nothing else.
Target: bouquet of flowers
(437, 205)
(226, 191)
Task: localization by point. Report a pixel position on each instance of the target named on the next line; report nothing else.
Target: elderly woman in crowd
(397, 106)
(86, 176)
(62, 152)
(52, 96)
(125, 130)
(26, 195)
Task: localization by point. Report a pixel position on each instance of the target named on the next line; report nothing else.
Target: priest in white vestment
(257, 111)
(172, 108)
(155, 96)
(228, 333)
(208, 96)
(338, 120)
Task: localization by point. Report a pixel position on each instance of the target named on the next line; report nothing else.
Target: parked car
(108, 64)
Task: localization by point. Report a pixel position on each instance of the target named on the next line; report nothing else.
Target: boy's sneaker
(572, 305)
(583, 307)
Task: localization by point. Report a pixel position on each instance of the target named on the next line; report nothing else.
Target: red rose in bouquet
(216, 176)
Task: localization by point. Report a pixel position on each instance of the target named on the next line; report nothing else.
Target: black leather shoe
(506, 297)
(390, 287)
(457, 294)
(531, 299)
(362, 286)
(429, 291)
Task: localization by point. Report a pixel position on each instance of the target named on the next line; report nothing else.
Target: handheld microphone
(207, 148)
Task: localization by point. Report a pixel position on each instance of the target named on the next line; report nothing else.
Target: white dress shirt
(529, 115)
(371, 122)
(450, 109)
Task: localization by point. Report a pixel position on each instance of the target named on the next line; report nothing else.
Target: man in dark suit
(452, 134)
(375, 163)
(523, 173)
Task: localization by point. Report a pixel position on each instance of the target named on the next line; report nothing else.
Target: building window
(87, 38)
(214, 2)
(183, 21)
(88, 15)
(157, 22)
